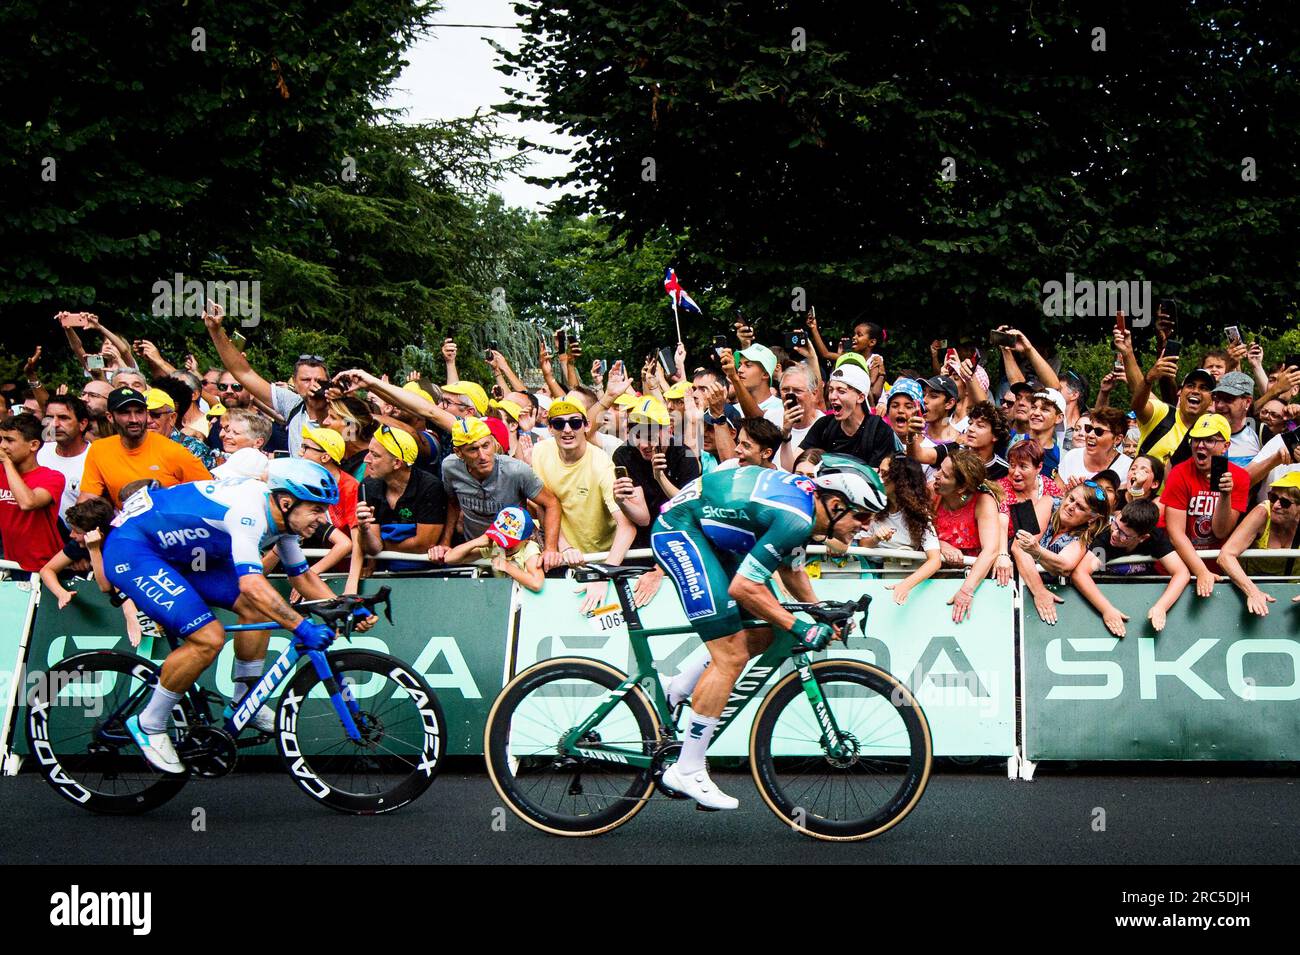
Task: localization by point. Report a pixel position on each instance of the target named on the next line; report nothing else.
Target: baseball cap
(910, 387)
(760, 354)
(543, 401)
(468, 431)
(1212, 426)
(1290, 479)
(509, 407)
(626, 400)
(216, 411)
(1054, 396)
(156, 399)
(942, 384)
(564, 407)
(677, 391)
(1016, 387)
(475, 393)
(497, 428)
(398, 443)
(651, 410)
(119, 398)
(1199, 374)
(330, 441)
(414, 388)
(1235, 383)
(854, 377)
(512, 526)
(852, 358)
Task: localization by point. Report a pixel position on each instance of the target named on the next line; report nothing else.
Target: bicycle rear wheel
(562, 794)
(403, 734)
(869, 789)
(76, 719)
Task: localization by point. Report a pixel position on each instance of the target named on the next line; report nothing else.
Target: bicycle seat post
(627, 602)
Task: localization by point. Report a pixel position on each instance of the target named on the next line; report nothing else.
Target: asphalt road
(973, 816)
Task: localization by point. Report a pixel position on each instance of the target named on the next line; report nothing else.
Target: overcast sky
(451, 74)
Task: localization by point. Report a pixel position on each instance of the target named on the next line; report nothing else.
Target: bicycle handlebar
(342, 610)
(835, 611)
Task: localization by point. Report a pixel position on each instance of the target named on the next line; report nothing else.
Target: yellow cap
(216, 411)
(331, 441)
(677, 391)
(398, 443)
(626, 400)
(509, 407)
(1290, 479)
(468, 431)
(414, 388)
(651, 410)
(475, 393)
(156, 398)
(563, 407)
(1212, 426)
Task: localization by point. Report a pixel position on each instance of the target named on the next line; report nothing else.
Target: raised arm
(233, 359)
(121, 344)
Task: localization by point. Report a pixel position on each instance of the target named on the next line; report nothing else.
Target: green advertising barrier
(454, 632)
(1217, 684)
(16, 597)
(963, 674)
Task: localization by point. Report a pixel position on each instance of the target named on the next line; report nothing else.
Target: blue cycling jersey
(228, 520)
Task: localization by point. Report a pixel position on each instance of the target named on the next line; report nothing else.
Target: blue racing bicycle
(358, 730)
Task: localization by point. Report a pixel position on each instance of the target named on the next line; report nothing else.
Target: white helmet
(860, 484)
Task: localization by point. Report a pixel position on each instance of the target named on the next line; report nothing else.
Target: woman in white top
(1099, 449)
(909, 522)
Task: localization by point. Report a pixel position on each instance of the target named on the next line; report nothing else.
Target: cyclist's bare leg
(184, 664)
(729, 656)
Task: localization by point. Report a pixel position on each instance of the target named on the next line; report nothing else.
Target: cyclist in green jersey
(720, 541)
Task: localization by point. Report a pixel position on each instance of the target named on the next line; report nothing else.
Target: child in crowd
(509, 544)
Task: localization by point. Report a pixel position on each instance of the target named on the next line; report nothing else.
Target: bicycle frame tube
(345, 705)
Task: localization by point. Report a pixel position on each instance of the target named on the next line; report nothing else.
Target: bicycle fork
(832, 738)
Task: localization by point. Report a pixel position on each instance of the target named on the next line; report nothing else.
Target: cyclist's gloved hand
(312, 635)
(812, 636)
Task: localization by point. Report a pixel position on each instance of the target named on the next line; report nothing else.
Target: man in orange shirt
(135, 453)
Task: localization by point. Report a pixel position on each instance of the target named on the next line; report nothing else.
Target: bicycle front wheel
(560, 793)
(868, 788)
(76, 726)
(403, 734)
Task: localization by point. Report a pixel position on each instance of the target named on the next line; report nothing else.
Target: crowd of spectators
(1023, 479)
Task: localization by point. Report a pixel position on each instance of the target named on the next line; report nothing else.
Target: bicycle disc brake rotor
(849, 744)
(208, 751)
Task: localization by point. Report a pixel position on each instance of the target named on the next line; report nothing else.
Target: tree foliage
(822, 167)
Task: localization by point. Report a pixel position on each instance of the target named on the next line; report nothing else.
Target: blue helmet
(305, 480)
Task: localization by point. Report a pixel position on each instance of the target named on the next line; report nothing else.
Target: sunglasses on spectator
(577, 424)
(1094, 429)
(161, 413)
(314, 359)
(1284, 502)
(235, 387)
(1097, 490)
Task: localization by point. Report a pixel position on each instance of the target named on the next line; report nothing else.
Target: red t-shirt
(1187, 490)
(31, 537)
(343, 515)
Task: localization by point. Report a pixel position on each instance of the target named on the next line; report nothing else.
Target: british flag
(678, 294)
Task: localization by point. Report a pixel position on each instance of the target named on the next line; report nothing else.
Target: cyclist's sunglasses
(576, 423)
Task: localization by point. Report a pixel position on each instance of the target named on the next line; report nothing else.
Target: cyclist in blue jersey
(179, 551)
(720, 541)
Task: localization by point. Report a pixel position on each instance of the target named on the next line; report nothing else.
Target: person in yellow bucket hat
(326, 447)
(1204, 498)
(401, 508)
(470, 398)
(1270, 525)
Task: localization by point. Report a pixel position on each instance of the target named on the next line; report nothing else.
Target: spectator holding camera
(1164, 428)
(1076, 520)
(303, 407)
(1133, 530)
(1233, 397)
(848, 428)
(1205, 497)
(801, 412)
(1270, 525)
(1025, 481)
(650, 468)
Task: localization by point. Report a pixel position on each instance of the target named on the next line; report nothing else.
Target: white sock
(247, 673)
(698, 734)
(158, 712)
(682, 685)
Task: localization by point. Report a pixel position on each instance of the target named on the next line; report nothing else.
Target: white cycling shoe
(156, 747)
(698, 786)
(263, 720)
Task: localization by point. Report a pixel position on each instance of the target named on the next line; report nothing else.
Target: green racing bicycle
(840, 750)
